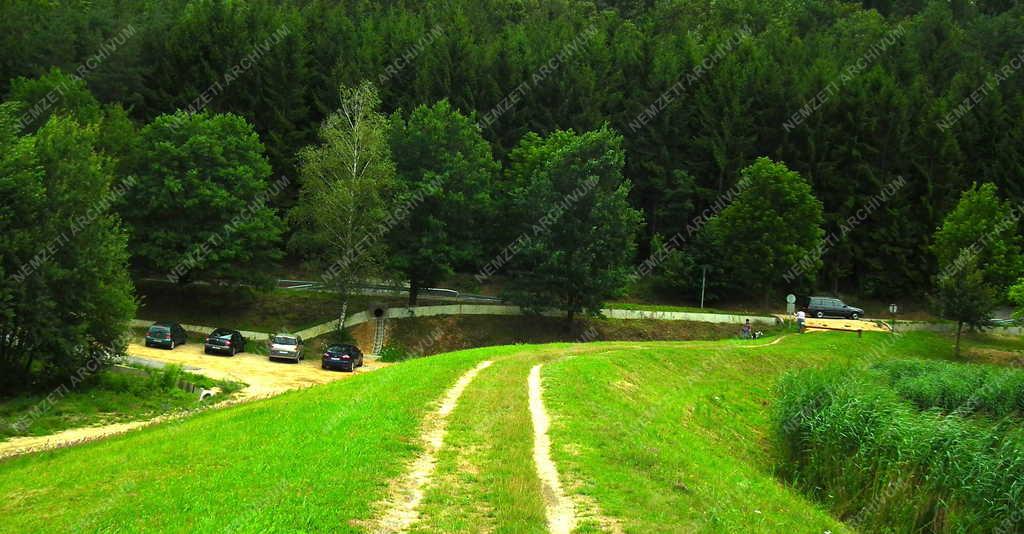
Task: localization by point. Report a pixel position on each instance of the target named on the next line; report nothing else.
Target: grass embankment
(103, 398)
(433, 335)
(310, 460)
(895, 448)
(995, 349)
(662, 437)
(674, 308)
(674, 439)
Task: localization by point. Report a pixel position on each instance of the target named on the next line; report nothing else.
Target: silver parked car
(286, 347)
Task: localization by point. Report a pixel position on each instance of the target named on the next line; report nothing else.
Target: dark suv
(224, 341)
(344, 357)
(167, 335)
(832, 307)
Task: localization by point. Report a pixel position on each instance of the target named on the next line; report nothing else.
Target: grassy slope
(308, 460)
(677, 439)
(665, 437)
(669, 458)
(433, 335)
(105, 398)
(995, 349)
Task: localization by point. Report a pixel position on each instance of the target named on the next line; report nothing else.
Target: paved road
(432, 293)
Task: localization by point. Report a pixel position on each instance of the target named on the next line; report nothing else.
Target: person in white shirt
(800, 318)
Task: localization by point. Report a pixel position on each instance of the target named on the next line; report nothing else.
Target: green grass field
(104, 398)
(649, 437)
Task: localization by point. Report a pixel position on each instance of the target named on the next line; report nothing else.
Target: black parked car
(344, 357)
(832, 307)
(167, 335)
(224, 341)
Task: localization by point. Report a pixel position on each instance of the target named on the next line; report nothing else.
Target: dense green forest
(852, 96)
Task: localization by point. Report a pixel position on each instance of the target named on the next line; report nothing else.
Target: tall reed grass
(958, 388)
(884, 466)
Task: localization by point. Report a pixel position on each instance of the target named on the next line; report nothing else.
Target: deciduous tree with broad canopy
(65, 294)
(577, 229)
(963, 295)
(986, 227)
(445, 174)
(200, 209)
(772, 227)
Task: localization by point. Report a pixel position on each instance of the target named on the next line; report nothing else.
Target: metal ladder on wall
(379, 335)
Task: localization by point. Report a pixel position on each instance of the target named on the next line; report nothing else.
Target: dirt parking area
(263, 376)
(851, 325)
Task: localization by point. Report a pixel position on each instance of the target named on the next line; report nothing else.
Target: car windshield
(221, 332)
(159, 330)
(281, 340)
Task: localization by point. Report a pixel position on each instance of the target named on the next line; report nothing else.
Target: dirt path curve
(560, 510)
(773, 342)
(76, 436)
(407, 492)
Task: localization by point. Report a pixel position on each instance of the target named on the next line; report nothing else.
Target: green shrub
(167, 377)
(882, 465)
(394, 353)
(339, 336)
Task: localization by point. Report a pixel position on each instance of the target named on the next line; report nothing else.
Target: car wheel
(855, 316)
(172, 345)
(819, 315)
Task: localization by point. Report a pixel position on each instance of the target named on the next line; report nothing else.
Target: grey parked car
(286, 347)
(832, 307)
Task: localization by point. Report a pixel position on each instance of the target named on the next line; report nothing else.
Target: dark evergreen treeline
(850, 95)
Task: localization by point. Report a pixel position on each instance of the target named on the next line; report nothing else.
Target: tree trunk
(959, 328)
(344, 311)
(414, 293)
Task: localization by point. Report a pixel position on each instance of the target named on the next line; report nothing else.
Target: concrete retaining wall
(492, 309)
(687, 316)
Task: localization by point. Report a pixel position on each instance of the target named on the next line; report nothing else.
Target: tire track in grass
(406, 494)
(560, 510)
